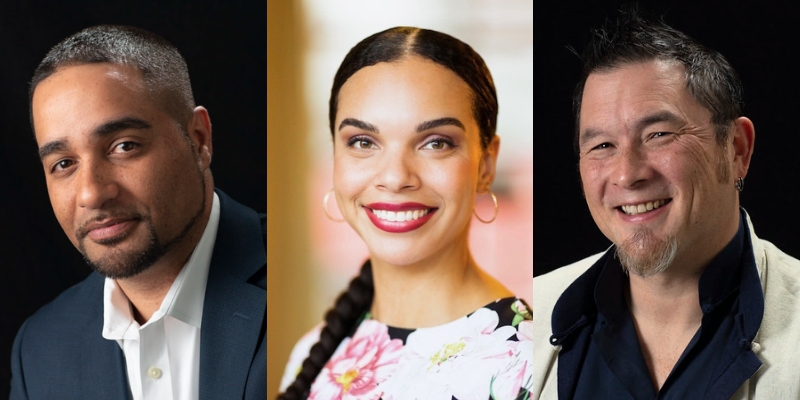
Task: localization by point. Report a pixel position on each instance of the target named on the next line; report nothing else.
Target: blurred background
(223, 45)
(310, 258)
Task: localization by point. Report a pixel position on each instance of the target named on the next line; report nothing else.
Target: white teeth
(399, 216)
(642, 208)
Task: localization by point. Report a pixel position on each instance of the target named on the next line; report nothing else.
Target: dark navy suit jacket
(60, 353)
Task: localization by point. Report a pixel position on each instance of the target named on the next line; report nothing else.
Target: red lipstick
(373, 209)
(398, 206)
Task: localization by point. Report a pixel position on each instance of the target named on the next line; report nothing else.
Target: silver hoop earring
(739, 184)
(325, 207)
(494, 200)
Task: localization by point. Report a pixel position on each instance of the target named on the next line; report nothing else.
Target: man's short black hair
(634, 38)
(163, 69)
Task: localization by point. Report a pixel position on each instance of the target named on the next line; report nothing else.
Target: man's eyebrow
(102, 130)
(641, 124)
(440, 122)
(661, 116)
(52, 147)
(589, 134)
(358, 124)
(119, 125)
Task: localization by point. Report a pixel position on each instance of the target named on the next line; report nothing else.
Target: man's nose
(632, 168)
(97, 185)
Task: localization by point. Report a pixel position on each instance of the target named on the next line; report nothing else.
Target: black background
(760, 40)
(224, 45)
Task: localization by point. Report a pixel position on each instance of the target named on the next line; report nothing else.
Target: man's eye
(602, 146)
(61, 165)
(659, 134)
(124, 147)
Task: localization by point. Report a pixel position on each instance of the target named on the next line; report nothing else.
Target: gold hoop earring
(494, 200)
(325, 207)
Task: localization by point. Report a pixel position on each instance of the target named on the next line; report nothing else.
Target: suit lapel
(102, 363)
(233, 310)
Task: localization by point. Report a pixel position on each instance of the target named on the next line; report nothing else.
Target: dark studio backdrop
(224, 47)
(759, 40)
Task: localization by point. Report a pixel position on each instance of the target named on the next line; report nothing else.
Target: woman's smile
(399, 218)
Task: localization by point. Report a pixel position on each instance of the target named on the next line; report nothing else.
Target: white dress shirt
(163, 355)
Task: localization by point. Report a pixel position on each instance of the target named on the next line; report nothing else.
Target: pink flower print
(458, 359)
(359, 365)
(517, 375)
(525, 331)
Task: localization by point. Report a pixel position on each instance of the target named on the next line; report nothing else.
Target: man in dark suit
(176, 306)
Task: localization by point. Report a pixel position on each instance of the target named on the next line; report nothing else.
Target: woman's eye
(360, 143)
(439, 144)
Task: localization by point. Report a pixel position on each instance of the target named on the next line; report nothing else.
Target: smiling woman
(413, 116)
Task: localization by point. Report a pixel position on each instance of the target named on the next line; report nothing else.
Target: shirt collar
(183, 301)
(723, 275)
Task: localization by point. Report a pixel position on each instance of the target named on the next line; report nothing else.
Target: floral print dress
(484, 355)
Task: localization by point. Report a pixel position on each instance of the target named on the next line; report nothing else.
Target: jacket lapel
(234, 307)
(102, 362)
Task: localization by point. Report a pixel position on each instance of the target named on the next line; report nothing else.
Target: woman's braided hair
(339, 321)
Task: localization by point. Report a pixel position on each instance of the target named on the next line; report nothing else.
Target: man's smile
(634, 209)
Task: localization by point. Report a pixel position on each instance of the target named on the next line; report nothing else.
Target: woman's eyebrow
(358, 124)
(439, 122)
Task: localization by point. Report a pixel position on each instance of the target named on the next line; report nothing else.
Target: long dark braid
(339, 321)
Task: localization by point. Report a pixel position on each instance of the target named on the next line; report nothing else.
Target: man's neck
(146, 290)
(666, 298)
(666, 314)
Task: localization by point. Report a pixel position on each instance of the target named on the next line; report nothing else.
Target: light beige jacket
(777, 343)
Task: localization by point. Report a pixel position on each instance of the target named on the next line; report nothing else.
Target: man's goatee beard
(644, 255)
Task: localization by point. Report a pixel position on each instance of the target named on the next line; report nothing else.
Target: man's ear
(199, 130)
(744, 137)
(488, 166)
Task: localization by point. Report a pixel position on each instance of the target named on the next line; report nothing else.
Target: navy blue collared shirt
(601, 357)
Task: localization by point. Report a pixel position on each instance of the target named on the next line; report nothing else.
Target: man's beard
(120, 266)
(645, 255)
